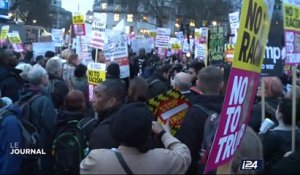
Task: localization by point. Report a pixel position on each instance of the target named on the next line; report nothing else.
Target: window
(117, 7)
(145, 18)
(192, 23)
(130, 18)
(104, 6)
(127, 29)
(116, 17)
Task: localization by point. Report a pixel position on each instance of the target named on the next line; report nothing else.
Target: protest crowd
(124, 125)
(62, 114)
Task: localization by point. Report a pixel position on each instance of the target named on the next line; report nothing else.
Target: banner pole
(263, 99)
(294, 68)
(70, 38)
(96, 55)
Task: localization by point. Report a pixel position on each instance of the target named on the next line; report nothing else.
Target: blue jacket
(43, 115)
(10, 133)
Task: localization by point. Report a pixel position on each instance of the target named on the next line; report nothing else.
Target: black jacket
(255, 120)
(10, 82)
(100, 137)
(287, 165)
(191, 130)
(158, 87)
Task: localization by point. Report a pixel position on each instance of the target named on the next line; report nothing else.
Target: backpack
(68, 148)
(210, 129)
(151, 83)
(21, 109)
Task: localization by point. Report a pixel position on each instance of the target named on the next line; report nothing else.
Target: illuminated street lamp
(34, 21)
(214, 23)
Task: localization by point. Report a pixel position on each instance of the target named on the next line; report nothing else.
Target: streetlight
(10, 14)
(214, 23)
(34, 21)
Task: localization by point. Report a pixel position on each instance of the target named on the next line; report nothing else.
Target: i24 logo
(256, 165)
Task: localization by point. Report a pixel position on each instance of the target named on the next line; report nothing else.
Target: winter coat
(10, 82)
(192, 127)
(10, 133)
(175, 159)
(158, 87)
(100, 136)
(276, 143)
(43, 116)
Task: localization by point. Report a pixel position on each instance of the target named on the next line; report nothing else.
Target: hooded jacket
(10, 82)
(192, 127)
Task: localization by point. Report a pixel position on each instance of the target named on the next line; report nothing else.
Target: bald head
(182, 81)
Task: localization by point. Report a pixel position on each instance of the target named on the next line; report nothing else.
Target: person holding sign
(132, 128)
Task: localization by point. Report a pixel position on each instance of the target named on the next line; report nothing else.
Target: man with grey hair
(57, 88)
(42, 115)
(183, 83)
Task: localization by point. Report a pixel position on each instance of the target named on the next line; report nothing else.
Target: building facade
(138, 18)
(61, 17)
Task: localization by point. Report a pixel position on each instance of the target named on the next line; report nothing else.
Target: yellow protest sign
(176, 46)
(4, 31)
(14, 38)
(253, 33)
(78, 19)
(291, 15)
(170, 106)
(152, 34)
(96, 73)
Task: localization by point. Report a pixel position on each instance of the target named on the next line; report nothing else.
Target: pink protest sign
(291, 31)
(237, 106)
(242, 84)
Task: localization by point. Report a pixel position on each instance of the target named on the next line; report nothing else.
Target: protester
(159, 82)
(79, 81)
(183, 82)
(68, 156)
(131, 128)
(100, 56)
(49, 54)
(41, 60)
(194, 68)
(273, 93)
(288, 164)
(107, 98)
(69, 67)
(277, 141)
(113, 71)
(140, 62)
(138, 90)
(25, 68)
(210, 83)
(57, 88)
(28, 58)
(247, 151)
(10, 132)
(10, 81)
(42, 113)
